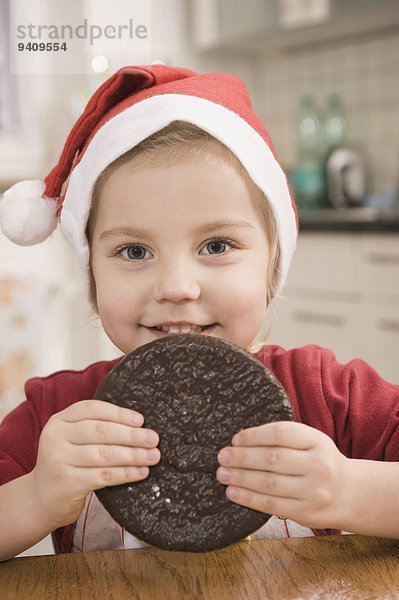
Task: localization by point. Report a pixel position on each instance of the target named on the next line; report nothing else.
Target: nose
(176, 282)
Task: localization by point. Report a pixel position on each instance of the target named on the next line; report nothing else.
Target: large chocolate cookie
(196, 392)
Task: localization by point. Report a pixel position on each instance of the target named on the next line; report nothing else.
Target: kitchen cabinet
(343, 293)
(258, 25)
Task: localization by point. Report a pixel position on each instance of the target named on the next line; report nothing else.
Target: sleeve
(19, 435)
(364, 408)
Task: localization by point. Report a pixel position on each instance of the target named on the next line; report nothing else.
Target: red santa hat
(131, 105)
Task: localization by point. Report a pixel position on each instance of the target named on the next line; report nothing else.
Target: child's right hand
(87, 446)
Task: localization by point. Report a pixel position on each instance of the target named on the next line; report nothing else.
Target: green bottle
(334, 123)
(309, 177)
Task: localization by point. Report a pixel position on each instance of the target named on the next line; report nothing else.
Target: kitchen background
(324, 78)
(294, 56)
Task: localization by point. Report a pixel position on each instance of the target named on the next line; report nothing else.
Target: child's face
(183, 248)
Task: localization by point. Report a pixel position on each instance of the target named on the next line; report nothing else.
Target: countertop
(363, 219)
(347, 567)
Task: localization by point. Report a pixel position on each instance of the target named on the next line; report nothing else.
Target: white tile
(348, 59)
(350, 92)
(382, 123)
(360, 54)
(358, 125)
(269, 68)
(379, 51)
(385, 179)
(274, 69)
(395, 124)
(391, 48)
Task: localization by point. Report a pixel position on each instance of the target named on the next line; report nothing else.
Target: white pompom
(27, 217)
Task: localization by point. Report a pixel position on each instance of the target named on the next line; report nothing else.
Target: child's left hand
(290, 470)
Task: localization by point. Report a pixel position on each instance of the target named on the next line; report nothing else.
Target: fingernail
(237, 439)
(224, 475)
(224, 456)
(143, 471)
(153, 454)
(233, 493)
(151, 438)
(137, 419)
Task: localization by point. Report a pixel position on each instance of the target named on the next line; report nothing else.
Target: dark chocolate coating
(196, 392)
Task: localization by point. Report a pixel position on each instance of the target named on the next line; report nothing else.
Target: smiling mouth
(182, 328)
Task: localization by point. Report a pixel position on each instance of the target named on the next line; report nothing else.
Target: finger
(271, 484)
(275, 459)
(280, 433)
(97, 478)
(271, 505)
(112, 456)
(107, 432)
(101, 411)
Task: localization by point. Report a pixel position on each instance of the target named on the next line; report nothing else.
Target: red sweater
(350, 403)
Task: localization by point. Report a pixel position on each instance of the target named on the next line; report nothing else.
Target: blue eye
(133, 252)
(216, 246)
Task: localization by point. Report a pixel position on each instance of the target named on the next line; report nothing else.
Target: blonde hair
(174, 144)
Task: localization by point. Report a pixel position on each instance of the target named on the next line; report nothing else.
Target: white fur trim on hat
(26, 216)
(144, 118)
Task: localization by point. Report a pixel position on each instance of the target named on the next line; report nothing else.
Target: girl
(181, 218)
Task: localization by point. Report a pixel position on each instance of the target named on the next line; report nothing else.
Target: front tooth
(173, 329)
(187, 328)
